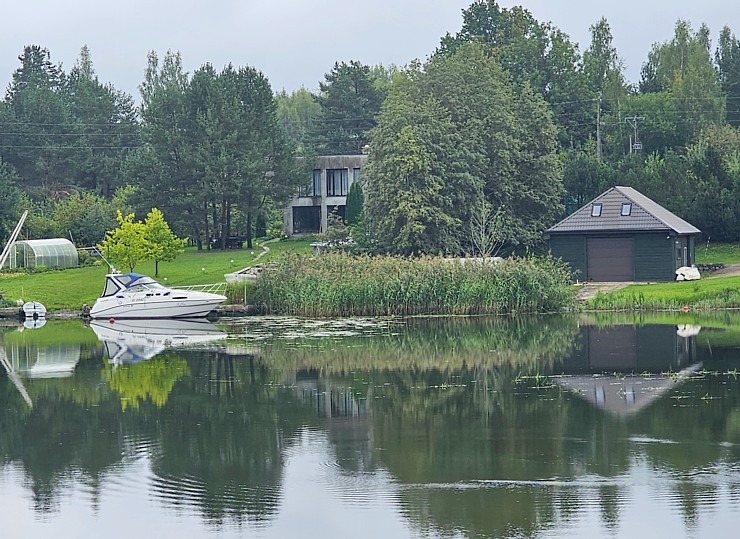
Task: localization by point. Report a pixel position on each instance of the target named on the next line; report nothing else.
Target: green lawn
(723, 292)
(715, 253)
(72, 288)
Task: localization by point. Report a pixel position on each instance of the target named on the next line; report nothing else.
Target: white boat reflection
(131, 341)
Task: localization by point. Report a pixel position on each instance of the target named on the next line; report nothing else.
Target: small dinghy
(33, 310)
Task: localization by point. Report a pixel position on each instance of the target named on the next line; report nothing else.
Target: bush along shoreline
(338, 284)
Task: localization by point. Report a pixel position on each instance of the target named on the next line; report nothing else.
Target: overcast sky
(296, 42)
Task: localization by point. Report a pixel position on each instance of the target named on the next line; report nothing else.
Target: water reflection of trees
(434, 343)
(223, 436)
(62, 439)
(447, 408)
(147, 381)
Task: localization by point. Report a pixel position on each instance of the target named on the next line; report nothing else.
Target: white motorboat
(131, 341)
(132, 295)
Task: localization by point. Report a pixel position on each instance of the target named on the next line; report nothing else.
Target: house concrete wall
(325, 202)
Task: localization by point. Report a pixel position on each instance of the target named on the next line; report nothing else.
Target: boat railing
(213, 288)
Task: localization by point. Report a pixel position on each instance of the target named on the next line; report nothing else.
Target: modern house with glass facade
(325, 192)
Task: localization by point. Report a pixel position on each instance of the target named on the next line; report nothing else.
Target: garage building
(622, 235)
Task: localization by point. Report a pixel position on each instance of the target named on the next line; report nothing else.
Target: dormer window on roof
(596, 209)
(626, 208)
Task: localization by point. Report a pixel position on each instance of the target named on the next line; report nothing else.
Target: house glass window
(626, 208)
(313, 189)
(316, 183)
(596, 210)
(337, 182)
(356, 174)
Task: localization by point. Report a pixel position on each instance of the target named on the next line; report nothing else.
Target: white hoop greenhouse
(50, 253)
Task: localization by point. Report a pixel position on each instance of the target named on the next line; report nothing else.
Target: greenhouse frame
(48, 253)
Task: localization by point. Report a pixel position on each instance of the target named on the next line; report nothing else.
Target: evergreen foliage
(349, 101)
(354, 210)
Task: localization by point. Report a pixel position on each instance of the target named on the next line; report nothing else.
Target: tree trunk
(207, 229)
(227, 204)
(249, 230)
(222, 225)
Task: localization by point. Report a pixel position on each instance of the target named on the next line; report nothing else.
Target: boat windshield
(110, 287)
(130, 282)
(144, 283)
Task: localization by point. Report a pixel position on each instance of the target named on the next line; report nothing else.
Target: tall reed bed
(339, 284)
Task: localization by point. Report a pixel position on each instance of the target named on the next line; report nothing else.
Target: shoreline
(9, 313)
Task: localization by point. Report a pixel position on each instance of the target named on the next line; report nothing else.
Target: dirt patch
(587, 291)
(730, 270)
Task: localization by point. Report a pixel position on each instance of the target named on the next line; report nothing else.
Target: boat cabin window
(110, 288)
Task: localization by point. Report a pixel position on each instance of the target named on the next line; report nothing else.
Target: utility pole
(635, 144)
(598, 129)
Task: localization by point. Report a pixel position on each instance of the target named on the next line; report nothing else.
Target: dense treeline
(503, 130)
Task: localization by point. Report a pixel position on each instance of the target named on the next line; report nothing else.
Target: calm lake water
(273, 428)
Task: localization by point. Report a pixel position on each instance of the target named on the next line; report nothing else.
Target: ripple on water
(215, 499)
(367, 490)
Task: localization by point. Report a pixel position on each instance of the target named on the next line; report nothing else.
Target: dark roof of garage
(645, 215)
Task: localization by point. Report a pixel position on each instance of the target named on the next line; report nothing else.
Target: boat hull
(132, 295)
(186, 308)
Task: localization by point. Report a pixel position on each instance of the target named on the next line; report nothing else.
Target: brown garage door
(610, 259)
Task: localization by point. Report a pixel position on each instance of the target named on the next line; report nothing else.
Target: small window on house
(596, 210)
(316, 183)
(626, 208)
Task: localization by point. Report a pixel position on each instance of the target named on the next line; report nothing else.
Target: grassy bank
(74, 287)
(705, 294)
(342, 285)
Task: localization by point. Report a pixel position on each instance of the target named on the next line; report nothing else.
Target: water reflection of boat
(130, 341)
(132, 295)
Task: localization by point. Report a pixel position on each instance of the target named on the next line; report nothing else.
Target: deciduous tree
(727, 58)
(681, 71)
(164, 244)
(126, 245)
